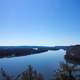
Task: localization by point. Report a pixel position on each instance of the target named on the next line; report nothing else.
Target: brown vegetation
(65, 71)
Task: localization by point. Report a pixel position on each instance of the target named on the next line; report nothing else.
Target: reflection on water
(45, 63)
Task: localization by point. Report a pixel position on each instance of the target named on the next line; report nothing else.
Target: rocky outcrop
(73, 52)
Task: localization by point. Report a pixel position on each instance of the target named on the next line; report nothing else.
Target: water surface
(45, 63)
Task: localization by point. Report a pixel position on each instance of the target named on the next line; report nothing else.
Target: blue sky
(39, 22)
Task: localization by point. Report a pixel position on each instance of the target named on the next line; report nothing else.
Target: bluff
(73, 52)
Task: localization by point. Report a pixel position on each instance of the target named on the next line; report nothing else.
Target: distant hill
(11, 51)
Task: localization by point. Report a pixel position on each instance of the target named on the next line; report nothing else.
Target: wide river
(46, 63)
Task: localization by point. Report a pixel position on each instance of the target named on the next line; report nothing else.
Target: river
(45, 63)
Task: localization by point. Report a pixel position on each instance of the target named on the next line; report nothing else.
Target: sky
(39, 22)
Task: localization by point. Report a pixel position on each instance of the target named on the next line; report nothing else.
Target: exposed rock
(73, 52)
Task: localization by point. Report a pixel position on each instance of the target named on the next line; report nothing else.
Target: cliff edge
(73, 52)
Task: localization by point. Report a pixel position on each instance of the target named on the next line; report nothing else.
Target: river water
(45, 63)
